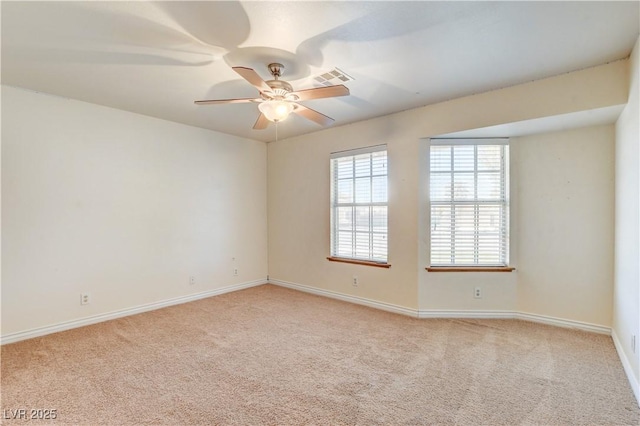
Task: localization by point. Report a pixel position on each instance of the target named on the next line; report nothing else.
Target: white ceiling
(156, 58)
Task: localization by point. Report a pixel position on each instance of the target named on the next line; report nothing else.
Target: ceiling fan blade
(252, 77)
(226, 101)
(312, 115)
(261, 122)
(322, 92)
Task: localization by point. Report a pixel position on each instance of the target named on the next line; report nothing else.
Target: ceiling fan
(278, 99)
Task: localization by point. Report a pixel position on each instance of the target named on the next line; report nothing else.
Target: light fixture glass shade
(275, 110)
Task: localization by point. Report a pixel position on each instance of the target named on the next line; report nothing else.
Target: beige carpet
(269, 355)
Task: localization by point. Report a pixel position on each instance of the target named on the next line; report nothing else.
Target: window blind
(469, 203)
(359, 204)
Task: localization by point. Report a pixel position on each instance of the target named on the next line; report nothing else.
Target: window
(359, 204)
(469, 195)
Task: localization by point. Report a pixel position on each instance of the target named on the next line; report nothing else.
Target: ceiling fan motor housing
(279, 88)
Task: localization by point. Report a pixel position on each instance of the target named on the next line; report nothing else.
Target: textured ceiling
(156, 58)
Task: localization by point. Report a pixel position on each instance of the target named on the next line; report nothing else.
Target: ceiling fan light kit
(276, 110)
(278, 99)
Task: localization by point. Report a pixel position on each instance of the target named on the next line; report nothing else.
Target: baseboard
(68, 325)
(626, 364)
(429, 313)
(561, 322)
(542, 319)
(443, 313)
(347, 298)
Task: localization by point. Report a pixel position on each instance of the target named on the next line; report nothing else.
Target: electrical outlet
(477, 293)
(633, 343)
(192, 280)
(235, 272)
(355, 281)
(85, 299)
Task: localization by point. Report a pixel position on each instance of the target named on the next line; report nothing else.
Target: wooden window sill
(470, 269)
(359, 262)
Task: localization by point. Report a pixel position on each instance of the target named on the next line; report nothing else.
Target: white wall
(565, 216)
(626, 303)
(299, 228)
(561, 234)
(299, 195)
(122, 206)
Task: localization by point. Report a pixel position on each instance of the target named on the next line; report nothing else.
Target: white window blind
(469, 195)
(359, 204)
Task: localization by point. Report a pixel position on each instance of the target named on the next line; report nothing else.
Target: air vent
(333, 77)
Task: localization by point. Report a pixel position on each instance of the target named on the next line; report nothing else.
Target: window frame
(504, 205)
(335, 204)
